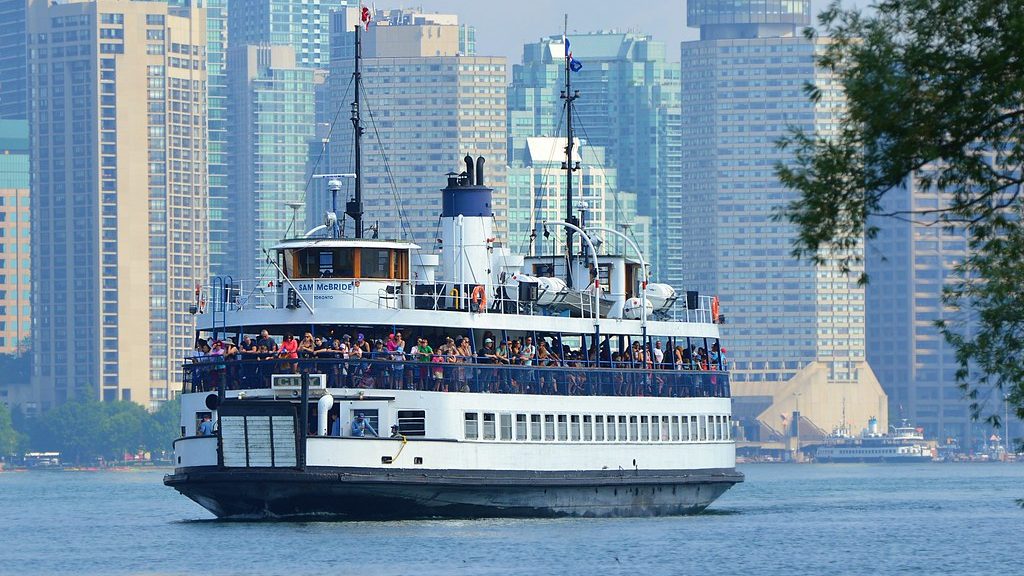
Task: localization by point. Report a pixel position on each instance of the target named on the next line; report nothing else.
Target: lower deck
(334, 451)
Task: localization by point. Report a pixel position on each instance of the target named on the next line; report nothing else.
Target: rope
(400, 448)
(387, 169)
(327, 140)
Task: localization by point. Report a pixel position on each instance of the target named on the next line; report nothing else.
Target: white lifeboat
(633, 310)
(661, 296)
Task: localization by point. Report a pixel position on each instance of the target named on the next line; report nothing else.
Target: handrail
(593, 256)
(289, 281)
(410, 374)
(250, 293)
(643, 266)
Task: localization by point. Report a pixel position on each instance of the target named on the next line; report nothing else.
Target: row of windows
(596, 428)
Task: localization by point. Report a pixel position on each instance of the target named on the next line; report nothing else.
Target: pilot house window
(376, 263)
(325, 263)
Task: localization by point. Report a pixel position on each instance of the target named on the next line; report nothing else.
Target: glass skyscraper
(272, 122)
(536, 193)
(795, 331)
(13, 60)
(425, 105)
(267, 111)
(908, 264)
(15, 245)
(301, 24)
(628, 105)
(217, 134)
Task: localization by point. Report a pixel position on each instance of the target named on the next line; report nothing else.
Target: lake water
(786, 519)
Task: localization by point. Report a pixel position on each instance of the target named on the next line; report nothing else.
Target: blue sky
(503, 26)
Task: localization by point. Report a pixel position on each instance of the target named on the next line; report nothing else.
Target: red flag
(366, 17)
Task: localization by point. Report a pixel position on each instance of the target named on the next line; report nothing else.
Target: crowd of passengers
(421, 366)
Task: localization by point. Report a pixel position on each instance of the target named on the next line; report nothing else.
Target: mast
(354, 207)
(569, 96)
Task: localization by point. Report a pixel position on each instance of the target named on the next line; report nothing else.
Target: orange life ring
(714, 310)
(479, 297)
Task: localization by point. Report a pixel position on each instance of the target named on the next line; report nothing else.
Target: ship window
(692, 429)
(574, 427)
(520, 426)
(633, 428)
(563, 428)
(622, 428)
(665, 428)
(370, 415)
(323, 263)
(472, 426)
(702, 427)
(549, 427)
(535, 427)
(675, 427)
(587, 429)
(506, 426)
(375, 263)
(412, 422)
(728, 428)
(644, 434)
(655, 428)
(719, 435)
(488, 426)
(599, 428)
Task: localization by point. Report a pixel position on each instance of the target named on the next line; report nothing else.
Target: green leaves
(85, 429)
(935, 96)
(9, 437)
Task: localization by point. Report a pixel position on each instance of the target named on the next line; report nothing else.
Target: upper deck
(319, 281)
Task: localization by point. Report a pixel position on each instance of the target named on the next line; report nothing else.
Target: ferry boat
(595, 424)
(904, 443)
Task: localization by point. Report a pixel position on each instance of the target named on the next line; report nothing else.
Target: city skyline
(246, 165)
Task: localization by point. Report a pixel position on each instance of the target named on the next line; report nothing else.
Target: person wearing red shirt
(289, 347)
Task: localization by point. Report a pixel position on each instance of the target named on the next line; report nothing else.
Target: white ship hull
(676, 467)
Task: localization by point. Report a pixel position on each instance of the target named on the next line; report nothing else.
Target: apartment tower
(119, 198)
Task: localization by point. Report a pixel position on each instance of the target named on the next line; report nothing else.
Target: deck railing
(240, 295)
(212, 374)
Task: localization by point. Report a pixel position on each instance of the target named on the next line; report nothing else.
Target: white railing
(402, 294)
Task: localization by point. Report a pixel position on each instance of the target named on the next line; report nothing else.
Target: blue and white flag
(574, 64)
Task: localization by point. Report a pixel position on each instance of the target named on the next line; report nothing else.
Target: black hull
(875, 460)
(350, 494)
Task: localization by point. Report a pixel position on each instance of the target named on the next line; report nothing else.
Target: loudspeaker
(528, 291)
(212, 401)
(691, 299)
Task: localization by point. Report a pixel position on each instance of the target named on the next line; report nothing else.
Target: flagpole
(568, 166)
(354, 208)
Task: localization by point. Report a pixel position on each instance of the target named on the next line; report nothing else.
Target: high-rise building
(628, 105)
(536, 193)
(15, 255)
(119, 195)
(908, 265)
(794, 330)
(274, 49)
(218, 146)
(13, 60)
(272, 122)
(301, 24)
(424, 106)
